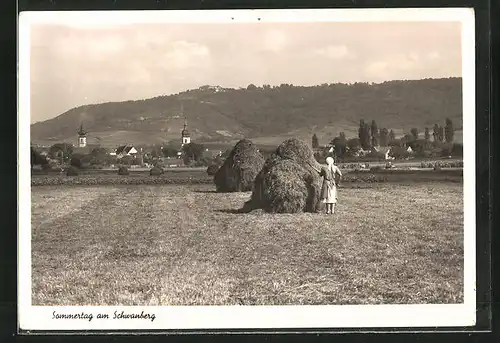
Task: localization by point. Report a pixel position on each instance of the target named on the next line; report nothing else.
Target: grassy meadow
(184, 245)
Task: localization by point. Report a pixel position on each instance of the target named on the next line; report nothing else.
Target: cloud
(108, 45)
(433, 56)
(394, 65)
(412, 66)
(377, 68)
(73, 47)
(93, 63)
(335, 52)
(406, 62)
(275, 40)
(184, 55)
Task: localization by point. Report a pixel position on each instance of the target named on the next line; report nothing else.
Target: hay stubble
(181, 245)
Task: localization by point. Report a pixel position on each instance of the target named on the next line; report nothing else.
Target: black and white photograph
(246, 169)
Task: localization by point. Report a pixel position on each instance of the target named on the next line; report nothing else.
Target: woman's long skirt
(329, 192)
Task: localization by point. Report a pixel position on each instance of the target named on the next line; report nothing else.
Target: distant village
(173, 154)
(372, 144)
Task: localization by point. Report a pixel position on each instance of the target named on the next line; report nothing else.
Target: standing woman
(330, 182)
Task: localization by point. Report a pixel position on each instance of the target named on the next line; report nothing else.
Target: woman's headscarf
(329, 161)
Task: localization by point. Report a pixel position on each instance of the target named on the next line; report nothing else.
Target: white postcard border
(246, 317)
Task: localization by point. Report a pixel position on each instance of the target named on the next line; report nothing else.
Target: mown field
(183, 245)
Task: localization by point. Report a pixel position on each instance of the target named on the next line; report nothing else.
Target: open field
(183, 245)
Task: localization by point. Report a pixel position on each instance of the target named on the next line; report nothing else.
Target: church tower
(185, 136)
(82, 137)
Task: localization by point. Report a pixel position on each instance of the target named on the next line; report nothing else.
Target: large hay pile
(123, 170)
(212, 169)
(155, 171)
(289, 182)
(238, 171)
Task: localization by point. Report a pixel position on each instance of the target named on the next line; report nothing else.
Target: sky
(73, 65)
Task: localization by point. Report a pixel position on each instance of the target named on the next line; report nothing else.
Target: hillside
(265, 114)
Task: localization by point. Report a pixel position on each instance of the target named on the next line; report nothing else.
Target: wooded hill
(266, 114)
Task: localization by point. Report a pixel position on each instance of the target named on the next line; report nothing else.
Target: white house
(126, 150)
(361, 152)
(386, 150)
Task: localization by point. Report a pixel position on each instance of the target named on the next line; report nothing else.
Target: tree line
(371, 136)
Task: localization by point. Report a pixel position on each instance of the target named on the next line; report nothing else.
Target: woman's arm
(337, 176)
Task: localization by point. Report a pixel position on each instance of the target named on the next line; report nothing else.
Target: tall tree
(76, 160)
(392, 135)
(193, 152)
(414, 133)
(435, 133)
(99, 151)
(441, 134)
(156, 152)
(361, 129)
(37, 158)
(407, 139)
(99, 155)
(62, 150)
(368, 142)
(171, 149)
(353, 144)
(397, 142)
(427, 135)
(339, 144)
(364, 135)
(315, 142)
(374, 133)
(343, 138)
(383, 137)
(449, 132)
(127, 160)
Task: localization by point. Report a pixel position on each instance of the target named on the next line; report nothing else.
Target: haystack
(155, 171)
(238, 171)
(72, 171)
(212, 169)
(289, 182)
(123, 170)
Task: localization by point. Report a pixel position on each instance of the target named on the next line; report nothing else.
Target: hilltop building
(215, 89)
(82, 137)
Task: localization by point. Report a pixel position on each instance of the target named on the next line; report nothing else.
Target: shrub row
(440, 164)
(431, 164)
(370, 178)
(358, 166)
(116, 180)
(353, 177)
(353, 165)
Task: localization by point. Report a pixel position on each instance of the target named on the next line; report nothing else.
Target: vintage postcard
(246, 169)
